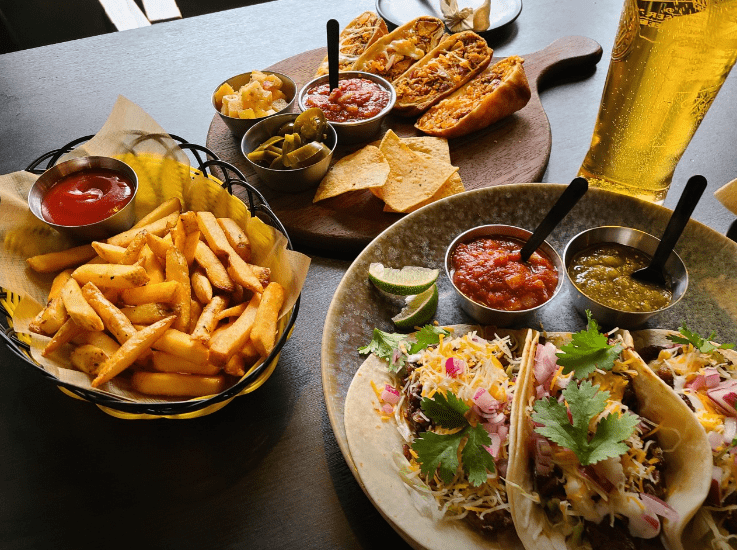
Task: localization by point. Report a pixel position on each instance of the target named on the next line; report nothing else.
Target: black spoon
(575, 190)
(678, 220)
(333, 52)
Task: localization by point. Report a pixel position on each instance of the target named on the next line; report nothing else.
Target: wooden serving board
(514, 150)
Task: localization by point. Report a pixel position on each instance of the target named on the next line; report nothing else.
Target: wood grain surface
(515, 149)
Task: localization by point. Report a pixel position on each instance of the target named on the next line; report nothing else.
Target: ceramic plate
(422, 237)
(398, 12)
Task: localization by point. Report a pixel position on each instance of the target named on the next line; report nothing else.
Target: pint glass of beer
(668, 62)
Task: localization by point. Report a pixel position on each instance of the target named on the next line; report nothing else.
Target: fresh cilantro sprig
(702, 344)
(394, 347)
(585, 402)
(587, 351)
(439, 452)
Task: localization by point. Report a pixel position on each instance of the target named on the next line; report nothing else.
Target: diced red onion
(390, 395)
(588, 473)
(454, 366)
(716, 440)
(496, 444)
(658, 507)
(546, 363)
(563, 381)
(696, 383)
(712, 377)
(715, 489)
(484, 400)
(724, 396)
(541, 391)
(387, 408)
(503, 430)
(730, 429)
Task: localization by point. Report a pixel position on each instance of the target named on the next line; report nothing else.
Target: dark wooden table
(266, 471)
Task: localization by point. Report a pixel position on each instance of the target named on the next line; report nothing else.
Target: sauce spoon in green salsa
(681, 214)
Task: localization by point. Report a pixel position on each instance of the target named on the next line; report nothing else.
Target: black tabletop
(265, 471)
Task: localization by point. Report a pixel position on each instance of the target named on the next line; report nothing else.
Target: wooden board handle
(565, 55)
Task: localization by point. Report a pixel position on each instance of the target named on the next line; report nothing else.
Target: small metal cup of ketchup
(493, 285)
(88, 198)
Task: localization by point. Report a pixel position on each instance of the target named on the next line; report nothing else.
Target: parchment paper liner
(164, 172)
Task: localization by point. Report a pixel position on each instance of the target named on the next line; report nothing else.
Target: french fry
(88, 358)
(159, 246)
(78, 308)
(64, 335)
(242, 274)
(114, 320)
(214, 269)
(131, 350)
(176, 269)
(224, 344)
(133, 250)
(97, 339)
(250, 353)
(236, 365)
(263, 334)
(158, 227)
(152, 265)
(111, 253)
(178, 235)
(190, 246)
(213, 233)
(52, 316)
(166, 362)
(111, 275)
(189, 219)
(182, 345)
(201, 285)
(235, 311)
(236, 237)
(163, 210)
(147, 314)
(56, 261)
(195, 310)
(165, 292)
(208, 320)
(263, 274)
(177, 385)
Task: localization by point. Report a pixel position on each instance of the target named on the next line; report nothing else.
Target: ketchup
(86, 197)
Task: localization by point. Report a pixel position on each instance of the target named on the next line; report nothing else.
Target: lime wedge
(419, 310)
(402, 282)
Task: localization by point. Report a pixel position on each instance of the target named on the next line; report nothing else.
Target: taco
(432, 437)
(358, 35)
(452, 63)
(704, 374)
(605, 450)
(392, 54)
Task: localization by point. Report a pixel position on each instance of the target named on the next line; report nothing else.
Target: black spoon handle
(681, 214)
(568, 199)
(333, 52)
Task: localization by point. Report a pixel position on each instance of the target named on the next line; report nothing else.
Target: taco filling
(597, 467)
(453, 409)
(705, 376)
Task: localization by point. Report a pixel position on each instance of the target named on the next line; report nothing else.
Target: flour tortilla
(683, 440)
(375, 445)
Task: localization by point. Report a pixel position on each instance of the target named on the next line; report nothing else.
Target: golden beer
(668, 62)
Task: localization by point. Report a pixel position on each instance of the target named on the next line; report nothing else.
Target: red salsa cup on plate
(493, 284)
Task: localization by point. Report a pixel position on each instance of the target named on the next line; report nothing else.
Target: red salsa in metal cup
(488, 270)
(354, 99)
(86, 197)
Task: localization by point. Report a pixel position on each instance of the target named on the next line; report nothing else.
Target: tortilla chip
(364, 169)
(452, 186)
(434, 146)
(413, 178)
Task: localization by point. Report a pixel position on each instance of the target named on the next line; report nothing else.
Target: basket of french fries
(173, 317)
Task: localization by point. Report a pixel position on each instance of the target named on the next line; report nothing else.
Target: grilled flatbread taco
(394, 53)
(496, 92)
(607, 453)
(704, 375)
(432, 437)
(358, 35)
(452, 63)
